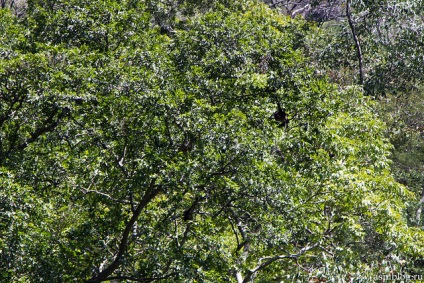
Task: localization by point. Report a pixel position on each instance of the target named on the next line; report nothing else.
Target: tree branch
(244, 245)
(119, 161)
(269, 260)
(42, 130)
(135, 279)
(151, 192)
(87, 191)
(357, 43)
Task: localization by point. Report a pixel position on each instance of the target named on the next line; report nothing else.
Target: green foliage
(97, 25)
(404, 118)
(390, 36)
(210, 154)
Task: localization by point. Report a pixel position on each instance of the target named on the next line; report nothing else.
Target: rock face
(319, 11)
(17, 6)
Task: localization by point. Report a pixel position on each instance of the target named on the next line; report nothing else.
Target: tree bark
(357, 42)
(151, 192)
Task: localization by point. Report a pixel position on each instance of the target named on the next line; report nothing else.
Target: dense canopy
(150, 141)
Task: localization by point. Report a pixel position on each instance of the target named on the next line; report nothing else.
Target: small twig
(86, 191)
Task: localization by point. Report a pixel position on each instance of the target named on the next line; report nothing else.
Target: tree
(387, 41)
(207, 155)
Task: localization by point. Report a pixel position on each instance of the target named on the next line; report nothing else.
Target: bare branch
(357, 43)
(85, 191)
(135, 279)
(266, 261)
